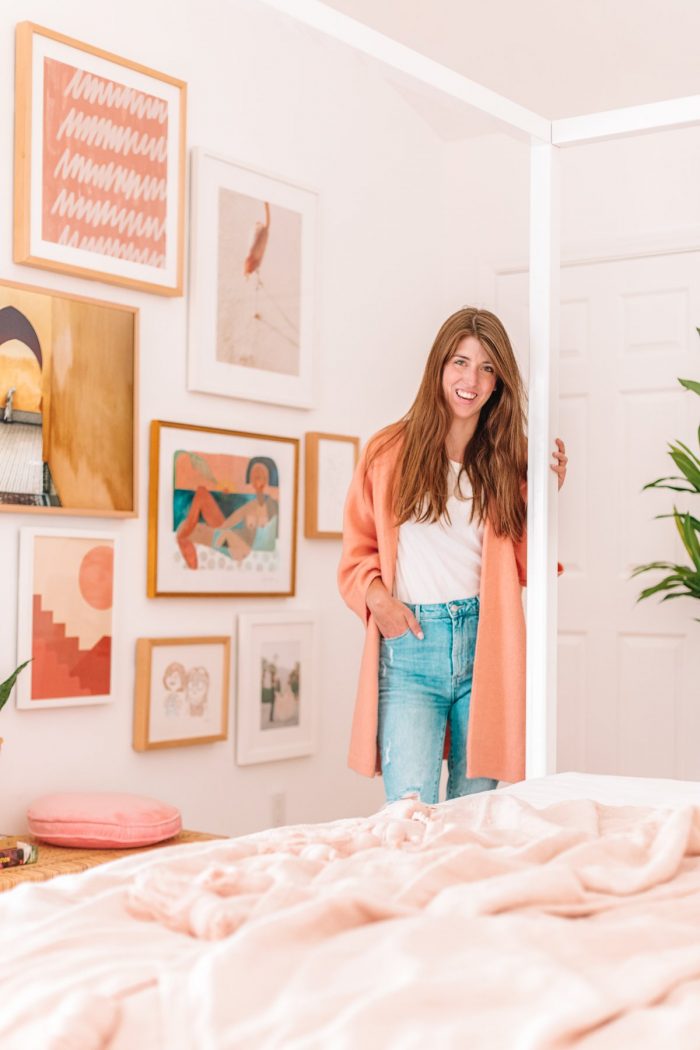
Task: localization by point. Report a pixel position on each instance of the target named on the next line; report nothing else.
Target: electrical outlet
(278, 809)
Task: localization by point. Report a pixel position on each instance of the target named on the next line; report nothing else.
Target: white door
(628, 673)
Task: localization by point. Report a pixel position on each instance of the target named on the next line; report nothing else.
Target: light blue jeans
(424, 686)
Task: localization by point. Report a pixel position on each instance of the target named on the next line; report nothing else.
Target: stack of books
(14, 852)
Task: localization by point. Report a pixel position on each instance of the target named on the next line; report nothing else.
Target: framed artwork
(330, 461)
(222, 513)
(99, 164)
(253, 273)
(65, 621)
(277, 712)
(182, 691)
(68, 403)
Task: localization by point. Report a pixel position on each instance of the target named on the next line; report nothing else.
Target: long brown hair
(495, 459)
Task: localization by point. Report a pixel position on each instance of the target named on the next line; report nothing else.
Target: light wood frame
(312, 481)
(545, 137)
(154, 589)
(92, 512)
(142, 696)
(73, 260)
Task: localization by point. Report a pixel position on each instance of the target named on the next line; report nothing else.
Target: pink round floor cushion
(102, 820)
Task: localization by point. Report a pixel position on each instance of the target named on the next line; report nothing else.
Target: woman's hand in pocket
(391, 616)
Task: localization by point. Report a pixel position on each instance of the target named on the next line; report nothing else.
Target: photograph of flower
(252, 298)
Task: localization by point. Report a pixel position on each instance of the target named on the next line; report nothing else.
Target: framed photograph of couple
(99, 164)
(182, 691)
(252, 291)
(277, 710)
(222, 513)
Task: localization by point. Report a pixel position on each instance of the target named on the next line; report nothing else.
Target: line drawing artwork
(186, 691)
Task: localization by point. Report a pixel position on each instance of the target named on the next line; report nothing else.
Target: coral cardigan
(496, 738)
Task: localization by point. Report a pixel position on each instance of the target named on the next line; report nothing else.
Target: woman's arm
(359, 562)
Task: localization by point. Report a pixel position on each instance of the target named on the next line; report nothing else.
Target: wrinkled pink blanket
(482, 922)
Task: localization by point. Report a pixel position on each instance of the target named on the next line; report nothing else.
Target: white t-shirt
(441, 561)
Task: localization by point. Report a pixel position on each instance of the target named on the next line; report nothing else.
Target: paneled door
(628, 673)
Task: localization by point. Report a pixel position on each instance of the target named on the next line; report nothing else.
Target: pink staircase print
(60, 667)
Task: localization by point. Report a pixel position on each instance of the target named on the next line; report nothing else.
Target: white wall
(268, 93)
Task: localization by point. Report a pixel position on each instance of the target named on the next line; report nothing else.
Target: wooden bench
(65, 860)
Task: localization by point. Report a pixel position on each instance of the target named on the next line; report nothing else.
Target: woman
(434, 554)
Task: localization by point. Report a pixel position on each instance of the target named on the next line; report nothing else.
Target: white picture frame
(66, 617)
(276, 718)
(252, 283)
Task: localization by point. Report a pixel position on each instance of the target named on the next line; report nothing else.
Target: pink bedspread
(479, 923)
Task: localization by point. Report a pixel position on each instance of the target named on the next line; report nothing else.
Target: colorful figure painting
(225, 504)
(222, 512)
(66, 619)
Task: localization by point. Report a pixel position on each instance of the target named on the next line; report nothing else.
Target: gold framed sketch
(68, 404)
(182, 691)
(222, 513)
(330, 461)
(99, 164)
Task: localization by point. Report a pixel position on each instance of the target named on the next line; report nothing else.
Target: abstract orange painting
(66, 617)
(99, 163)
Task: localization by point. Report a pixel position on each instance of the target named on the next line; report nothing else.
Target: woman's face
(259, 477)
(173, 681)
(468, 379)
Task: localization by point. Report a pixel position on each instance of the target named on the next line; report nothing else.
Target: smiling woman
(434, 555)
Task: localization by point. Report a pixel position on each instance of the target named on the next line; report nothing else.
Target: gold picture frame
(182, 691)
(108, 205)
(329, 463)
(222, 513)
(69, 386)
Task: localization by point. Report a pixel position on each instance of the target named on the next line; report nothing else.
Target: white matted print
(222, 512)
(330, 464)
(253, 272)
(99, 164)
(182, 691)
(65, 617)
(277, 711)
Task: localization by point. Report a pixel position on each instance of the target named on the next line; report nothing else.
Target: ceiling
(560, 58)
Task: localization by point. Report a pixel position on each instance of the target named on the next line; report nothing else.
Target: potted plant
(681, 581)
(6, 686)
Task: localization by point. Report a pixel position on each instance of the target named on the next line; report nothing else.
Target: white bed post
(541, 673)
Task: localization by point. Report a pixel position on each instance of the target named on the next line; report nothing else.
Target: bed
(554, 913)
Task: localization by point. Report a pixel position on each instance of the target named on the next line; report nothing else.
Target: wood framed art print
(99, 164)
(222, 513)
(182, 691)
(330, 461)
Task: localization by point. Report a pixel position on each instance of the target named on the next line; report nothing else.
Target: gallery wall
(267, 93)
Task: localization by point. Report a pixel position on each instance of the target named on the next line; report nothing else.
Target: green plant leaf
(6, 686)
(659, 484)
(685, 464)
(690, 384)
